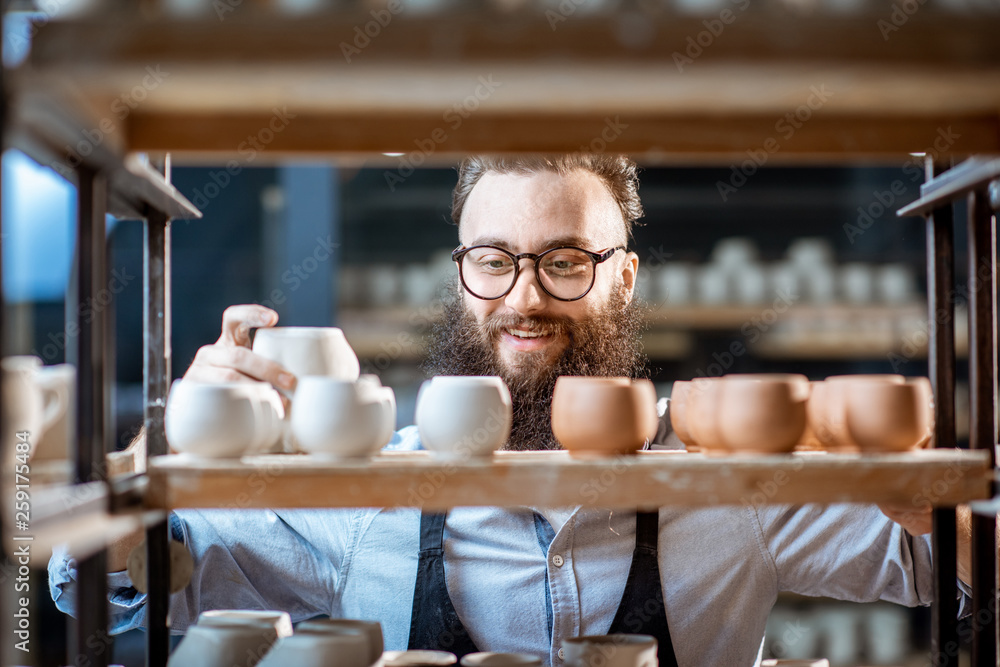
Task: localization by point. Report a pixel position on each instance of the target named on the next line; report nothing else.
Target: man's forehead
(526, 212)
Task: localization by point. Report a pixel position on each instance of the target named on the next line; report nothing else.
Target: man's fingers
(238, 320)
(243, 361)
(216, 374)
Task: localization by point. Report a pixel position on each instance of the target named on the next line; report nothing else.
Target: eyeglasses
(566, 273)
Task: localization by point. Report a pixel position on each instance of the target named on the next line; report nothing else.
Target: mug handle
(55, 398)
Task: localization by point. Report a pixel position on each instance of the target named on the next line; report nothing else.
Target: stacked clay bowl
(594, 416)
(872, 413)
(754, 413)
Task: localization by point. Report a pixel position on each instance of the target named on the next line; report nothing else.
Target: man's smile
(525, 340)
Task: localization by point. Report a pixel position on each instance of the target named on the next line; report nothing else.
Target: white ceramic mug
(463, 416)
(58, 386)
(214, 420)
(279, 620)
(488, 659)
(309, 351)
(370, 387)
(336, 419)
(371, 629)
(223, 644)
(30, 404)
(618, 650)
(344, 648)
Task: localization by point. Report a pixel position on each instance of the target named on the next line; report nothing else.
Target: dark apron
(435, 625)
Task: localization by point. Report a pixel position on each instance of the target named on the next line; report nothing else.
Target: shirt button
(561, 653)
(557, 560)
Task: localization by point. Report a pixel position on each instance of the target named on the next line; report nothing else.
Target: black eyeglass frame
(595, 257)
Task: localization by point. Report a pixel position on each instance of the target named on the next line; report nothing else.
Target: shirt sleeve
(243, 559)
(848, 552)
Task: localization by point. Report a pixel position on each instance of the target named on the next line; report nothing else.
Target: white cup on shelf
(214, 420)
(857, 283)
(337, 419)
(372, 630)
(463, 416)
(224, 644)
(676, 283)
(345, 647)
(309, 351)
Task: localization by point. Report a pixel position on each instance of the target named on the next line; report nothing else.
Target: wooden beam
(428, 138)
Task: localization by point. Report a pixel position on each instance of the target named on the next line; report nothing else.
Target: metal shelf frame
(44, 121)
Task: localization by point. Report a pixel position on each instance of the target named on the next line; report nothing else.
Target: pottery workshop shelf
(596, 79)
(553, 479)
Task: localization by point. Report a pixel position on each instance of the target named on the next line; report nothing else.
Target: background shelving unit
(284, 83)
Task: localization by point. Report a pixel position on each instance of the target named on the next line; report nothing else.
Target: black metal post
(941, 363)
(87, 347)
(982, 428)
(156, 383)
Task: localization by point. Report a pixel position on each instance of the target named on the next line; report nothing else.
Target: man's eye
(494, 263)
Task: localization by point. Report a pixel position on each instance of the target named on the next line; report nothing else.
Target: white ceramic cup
(223, 644)
(213, 420)
(309, 351)
(414, 658)
(279, 620)
(371, 629)
(618, 650)
(463, 416)
(336, 419)
(488, 659)
(30, 404)
(370, 388)
(343, 648)
(58, 386)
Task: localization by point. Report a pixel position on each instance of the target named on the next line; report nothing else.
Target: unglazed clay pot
(603, 416)
(222, 644)
(832, 429)
(345, 647)
(679, 411)
(371, 629)
(889, 416)
(762, 413)
(703, 405)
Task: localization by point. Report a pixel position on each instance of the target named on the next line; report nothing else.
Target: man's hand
(229, 359)
(915, 520)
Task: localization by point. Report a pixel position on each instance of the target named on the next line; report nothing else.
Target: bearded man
(546, 285)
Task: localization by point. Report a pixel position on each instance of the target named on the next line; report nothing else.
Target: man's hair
(618, 172)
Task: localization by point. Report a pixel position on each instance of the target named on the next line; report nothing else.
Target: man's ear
(630, 269)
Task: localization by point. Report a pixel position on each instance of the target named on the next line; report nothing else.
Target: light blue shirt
(721, 569)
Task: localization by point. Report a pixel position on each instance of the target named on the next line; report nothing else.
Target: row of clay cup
(222, 638)
(332, 418)
(774, 413)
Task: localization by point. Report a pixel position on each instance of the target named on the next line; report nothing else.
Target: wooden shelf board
(650, 479)
(220, 84)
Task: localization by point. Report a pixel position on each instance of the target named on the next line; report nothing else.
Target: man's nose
(527, 295)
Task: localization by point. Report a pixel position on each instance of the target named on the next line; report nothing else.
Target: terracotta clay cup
(594, 416)
(679, 411)
(830, 412)
(702, 408)
(762, 413)
(890, 416)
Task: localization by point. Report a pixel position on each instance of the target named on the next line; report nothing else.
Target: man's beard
(606, 345)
